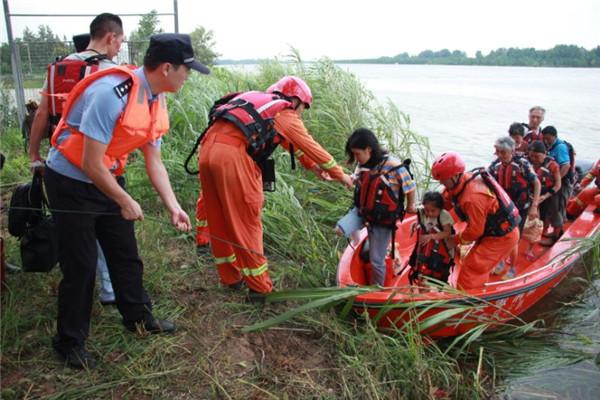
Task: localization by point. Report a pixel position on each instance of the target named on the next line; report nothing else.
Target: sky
(342, 29)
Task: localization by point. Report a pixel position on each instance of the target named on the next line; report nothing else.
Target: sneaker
(76, 357)
(152, 327)
(499, 268)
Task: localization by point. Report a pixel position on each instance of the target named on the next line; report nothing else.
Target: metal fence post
(176, 16)
(15, 61)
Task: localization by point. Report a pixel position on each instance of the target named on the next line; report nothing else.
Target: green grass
(315, 355)
(29, 82)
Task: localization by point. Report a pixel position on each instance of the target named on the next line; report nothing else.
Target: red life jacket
(433, 258)
(512, 180)
(532, 136)
(63, 75)
(544, 174)
(375, 198)
(138, 124)
(253, 113)
(505, 219)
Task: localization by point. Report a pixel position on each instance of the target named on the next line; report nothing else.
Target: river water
(465, 109)
(555, 369)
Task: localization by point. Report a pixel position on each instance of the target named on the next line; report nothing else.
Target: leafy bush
(8, 112)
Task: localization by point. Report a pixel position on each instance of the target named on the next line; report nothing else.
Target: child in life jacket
(381, 184)
(433, 255)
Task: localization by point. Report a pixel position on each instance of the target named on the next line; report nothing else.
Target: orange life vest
(138, 124)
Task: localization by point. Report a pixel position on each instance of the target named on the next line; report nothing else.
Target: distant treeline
(228, 61)
(559, 56)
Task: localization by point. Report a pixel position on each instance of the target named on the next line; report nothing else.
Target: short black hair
(151, 65)
(550, 130)
(105, 23)
(434, 197)
(537, 146)
(516, 128)
(361, 139)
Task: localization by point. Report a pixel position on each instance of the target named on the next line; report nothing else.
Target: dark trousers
(566, 189)
(77, 235)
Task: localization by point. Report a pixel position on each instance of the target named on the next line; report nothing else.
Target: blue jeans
(379, 240)
(106, 290)
(350, 223)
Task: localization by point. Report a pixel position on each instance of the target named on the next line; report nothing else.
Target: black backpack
(29, 220)
(572, 173)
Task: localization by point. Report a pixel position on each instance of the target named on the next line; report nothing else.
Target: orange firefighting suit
(233, 193)
(202, 232)
(477, 201)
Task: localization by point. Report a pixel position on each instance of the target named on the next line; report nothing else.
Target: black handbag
(39, 246)
(29, 220)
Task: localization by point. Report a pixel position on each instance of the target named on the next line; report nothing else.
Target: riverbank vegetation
(317, 355)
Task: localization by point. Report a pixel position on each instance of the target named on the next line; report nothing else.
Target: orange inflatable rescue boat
(450, 312)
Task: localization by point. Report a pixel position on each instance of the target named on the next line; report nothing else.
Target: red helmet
(292, 86)
(447, 165)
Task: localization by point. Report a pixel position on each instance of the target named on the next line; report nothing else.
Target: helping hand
(37, 166)
(131, 210)
(533, 213)
(347, 181)
(180, 220)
